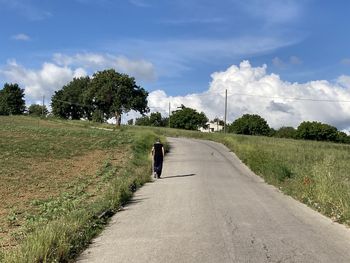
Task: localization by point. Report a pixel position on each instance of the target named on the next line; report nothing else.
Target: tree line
(109, 94)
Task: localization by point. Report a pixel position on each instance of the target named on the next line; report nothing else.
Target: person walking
(158, 155)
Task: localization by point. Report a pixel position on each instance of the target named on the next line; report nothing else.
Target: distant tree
(165, 122)
(37, 110)
(250, 124)
(142, 121)
(68, 102)
(131, 122)
(188, 119)
(114, 93)
(286, 132)
(316, 131)
(219, 121)
(342, 137)
(12, 100)
(155, 119)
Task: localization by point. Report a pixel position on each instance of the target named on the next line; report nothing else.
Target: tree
(219, 121)
(68, 103)
(131, 122)
(142, 121)
(188, 119)
(250, 124)
(317, 131)
(114, 93)
(155, 119)
(12, 100)
(37, 110)
(286, 132)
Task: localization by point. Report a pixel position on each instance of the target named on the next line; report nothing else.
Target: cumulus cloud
(252, 90)
(139, 68)
(55, 74)
(21, 37)
(42, 82)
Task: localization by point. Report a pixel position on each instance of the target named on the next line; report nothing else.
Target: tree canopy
(114, 93)
(188, 118)
(155, 119)
(250, 124)
(12, 100)
(68, 102)
(37, 110)
(317, 131)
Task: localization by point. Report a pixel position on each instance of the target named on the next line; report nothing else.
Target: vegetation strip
(66, 224)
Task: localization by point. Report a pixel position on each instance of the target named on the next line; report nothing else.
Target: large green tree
(12, 100)
(187, 118)
(114, 93)
(68, 102)
(317, 131)
(250, 124)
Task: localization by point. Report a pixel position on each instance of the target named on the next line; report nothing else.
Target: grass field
(56, 180)
(61, 180)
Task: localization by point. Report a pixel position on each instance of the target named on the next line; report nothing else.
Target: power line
(287, 98)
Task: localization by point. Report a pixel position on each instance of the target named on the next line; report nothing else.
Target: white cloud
(54, 75)
(344, 81)
(44, 81)
(21, 37)
(138, 68)
(252, 90)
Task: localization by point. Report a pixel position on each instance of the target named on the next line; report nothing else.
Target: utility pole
(169, 114)
(42, 109)
(225, 111)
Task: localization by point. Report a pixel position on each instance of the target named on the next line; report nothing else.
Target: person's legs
(160, 168)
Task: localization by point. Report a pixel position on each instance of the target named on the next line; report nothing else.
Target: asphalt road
(210, 208)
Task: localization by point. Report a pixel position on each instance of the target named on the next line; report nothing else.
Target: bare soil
(39, 180)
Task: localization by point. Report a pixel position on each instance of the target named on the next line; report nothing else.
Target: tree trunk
(118, 118)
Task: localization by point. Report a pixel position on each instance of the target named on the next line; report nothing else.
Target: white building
(212, 127)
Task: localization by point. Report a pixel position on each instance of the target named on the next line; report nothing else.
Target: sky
(286, 60)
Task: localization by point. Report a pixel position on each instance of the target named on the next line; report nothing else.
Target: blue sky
(173, 46)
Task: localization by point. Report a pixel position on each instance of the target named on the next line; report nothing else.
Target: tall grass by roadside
(65, 224)
(316, 173)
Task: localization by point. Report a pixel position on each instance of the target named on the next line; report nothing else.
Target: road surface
(210, 208)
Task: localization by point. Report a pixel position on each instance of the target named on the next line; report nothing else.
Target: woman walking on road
(158, 155)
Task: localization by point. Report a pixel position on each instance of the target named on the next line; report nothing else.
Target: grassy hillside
(60, 180)
(316, 173)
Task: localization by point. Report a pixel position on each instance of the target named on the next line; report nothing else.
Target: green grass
(56, 227)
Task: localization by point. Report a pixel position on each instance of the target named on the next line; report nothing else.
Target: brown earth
(40, 180)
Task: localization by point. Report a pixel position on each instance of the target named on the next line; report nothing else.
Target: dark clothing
(158, 158)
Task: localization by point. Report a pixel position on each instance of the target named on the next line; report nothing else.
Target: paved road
(211, 208)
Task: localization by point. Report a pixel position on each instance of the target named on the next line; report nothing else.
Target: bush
(317, 131)
(250, 124)
(286, 132)
(37, 110)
